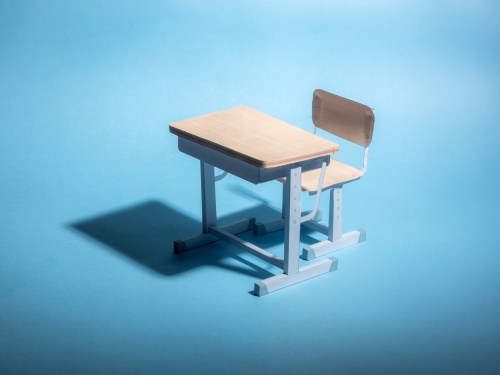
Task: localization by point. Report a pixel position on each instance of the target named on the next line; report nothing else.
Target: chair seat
(336, 173)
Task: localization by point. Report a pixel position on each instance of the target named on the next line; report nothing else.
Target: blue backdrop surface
(93, 189)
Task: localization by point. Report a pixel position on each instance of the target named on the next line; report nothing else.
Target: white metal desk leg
(209, 215)
(292, 273)
(208, 203)
(292, 220)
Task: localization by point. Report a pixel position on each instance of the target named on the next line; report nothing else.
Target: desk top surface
(253, 136)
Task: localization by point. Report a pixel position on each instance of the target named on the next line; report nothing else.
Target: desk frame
(292, 273)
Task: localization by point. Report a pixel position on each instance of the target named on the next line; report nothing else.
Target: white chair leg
(336, 240)
(261, 228)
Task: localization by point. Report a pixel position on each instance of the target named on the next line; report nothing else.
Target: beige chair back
(343, 117)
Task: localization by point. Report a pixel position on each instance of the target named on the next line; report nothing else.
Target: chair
(353, 122)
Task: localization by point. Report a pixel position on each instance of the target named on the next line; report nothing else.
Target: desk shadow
(145, 232)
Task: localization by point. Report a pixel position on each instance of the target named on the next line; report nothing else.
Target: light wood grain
(254, 137)
(336, 173)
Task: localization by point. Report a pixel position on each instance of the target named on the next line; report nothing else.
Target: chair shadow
(144, 233)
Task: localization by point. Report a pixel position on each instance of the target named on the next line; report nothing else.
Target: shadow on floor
(145, 232)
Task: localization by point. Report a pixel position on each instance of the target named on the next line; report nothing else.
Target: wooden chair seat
(337, 173)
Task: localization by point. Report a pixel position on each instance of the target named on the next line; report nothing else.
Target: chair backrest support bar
(365, 161)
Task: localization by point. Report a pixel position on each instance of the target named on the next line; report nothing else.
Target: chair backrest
(343, 117)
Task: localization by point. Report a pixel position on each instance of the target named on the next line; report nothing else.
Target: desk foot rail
(277, 282)
(201, 239)
(247, 246)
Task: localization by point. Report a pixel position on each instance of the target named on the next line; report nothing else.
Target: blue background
(93, 189)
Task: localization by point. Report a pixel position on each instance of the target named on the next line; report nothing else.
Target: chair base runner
(325, 247)
(283, 280)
